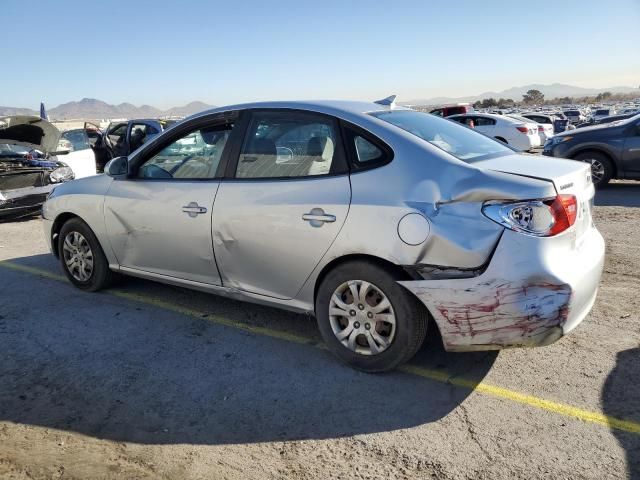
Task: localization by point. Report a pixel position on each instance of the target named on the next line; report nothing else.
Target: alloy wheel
(597, 170)
(78, 256)
(362, 317)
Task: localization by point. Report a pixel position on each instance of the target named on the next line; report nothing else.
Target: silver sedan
(378, 220)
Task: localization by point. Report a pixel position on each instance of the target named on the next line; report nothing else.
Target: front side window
(141, 133)
(461, 142)
(193, 156)
(117, 133)
(287, 144)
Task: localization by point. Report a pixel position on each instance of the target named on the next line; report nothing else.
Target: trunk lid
(568, 177)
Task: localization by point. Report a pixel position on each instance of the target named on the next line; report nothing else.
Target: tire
(80, 238)
(601, 167)
(403, 340)
(500, 139)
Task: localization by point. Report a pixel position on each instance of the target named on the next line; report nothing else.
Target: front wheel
(601, 167)
(367, 319)
(82, 258)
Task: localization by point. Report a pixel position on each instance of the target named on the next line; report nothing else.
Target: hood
(591, 128)
(29, 131)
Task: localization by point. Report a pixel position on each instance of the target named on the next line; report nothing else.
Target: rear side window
(77, 139)
(437, 112)
(484, 121)
(367, 151)
(289, 144)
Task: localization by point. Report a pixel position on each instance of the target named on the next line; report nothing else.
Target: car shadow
(116, 369)
(619, 194)
(621, 399)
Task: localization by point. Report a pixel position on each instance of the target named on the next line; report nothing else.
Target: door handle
(193, 209)
(316, 217)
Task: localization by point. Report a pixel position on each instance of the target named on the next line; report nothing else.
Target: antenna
(390, 101)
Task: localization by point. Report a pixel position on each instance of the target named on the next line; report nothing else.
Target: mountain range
(90, 108)
(555, 90)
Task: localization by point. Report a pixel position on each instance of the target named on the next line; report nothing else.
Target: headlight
(556, 140)
(61, 174)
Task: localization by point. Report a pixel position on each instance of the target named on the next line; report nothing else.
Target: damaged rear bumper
(534, 291)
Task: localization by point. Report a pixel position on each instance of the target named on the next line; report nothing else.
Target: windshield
(455, 139)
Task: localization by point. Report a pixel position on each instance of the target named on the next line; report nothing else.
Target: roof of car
(334, 107)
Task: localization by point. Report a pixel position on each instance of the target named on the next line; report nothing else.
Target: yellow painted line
(430, 374)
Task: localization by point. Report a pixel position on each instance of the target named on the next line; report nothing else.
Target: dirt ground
(151, 381)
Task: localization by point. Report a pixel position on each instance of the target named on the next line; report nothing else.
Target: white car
(81, 158)
(519, 134)
(545, 130)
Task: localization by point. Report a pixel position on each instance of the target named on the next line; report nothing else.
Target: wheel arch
(601, 151)
(59, 221)
(394, 269)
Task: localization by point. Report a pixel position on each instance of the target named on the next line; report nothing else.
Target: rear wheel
(367, 319)
(82, 257)
(601, 167)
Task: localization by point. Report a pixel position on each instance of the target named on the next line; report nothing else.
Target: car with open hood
(28, 167)
(379, 220)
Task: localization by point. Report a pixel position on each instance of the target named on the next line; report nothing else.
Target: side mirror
(117, 167)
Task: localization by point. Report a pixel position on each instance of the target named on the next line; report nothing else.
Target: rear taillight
(565, 211)
(541, 218)
(523, 129)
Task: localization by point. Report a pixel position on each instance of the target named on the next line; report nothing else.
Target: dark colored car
(609, 119)
(613, 149)
(122, 138)
(447, 111)
(28, 172)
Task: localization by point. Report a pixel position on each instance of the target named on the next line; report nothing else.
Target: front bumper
(534, 291)
(22, 201)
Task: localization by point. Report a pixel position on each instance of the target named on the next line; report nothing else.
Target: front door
(286, 201)
(631, 152)
(160, 220)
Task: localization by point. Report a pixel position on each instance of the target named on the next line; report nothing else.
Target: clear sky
(167, 53)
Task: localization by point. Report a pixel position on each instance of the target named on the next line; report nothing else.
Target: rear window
(572, 112)
(455, 139)
(77, 139)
